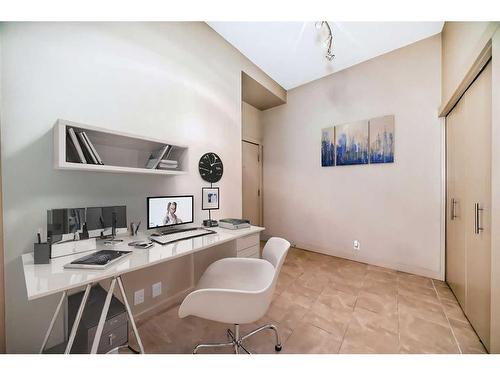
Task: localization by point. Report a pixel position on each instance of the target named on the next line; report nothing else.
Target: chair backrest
(275, 252)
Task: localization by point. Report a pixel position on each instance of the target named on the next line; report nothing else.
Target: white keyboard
(179, 236)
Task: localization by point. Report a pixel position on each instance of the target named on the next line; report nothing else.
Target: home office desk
(47, 279)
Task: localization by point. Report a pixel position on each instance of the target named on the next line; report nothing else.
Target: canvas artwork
(352, 143)
(382, 140)
(328, 147)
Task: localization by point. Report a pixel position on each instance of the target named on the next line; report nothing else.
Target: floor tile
(264, 341)
(467, 339)
(333, 297)
(333, 320)
(313, 281)
(299, 295)
(409, 278)
(306, 339)
(418, 335)
(370, 320)
(423, 309)
(370, 267)
(287, 313)
(381, 276)
(326, 304)
(345, 284)
(377, 302)
(453, 310)
(364, 340)
(417, 291)
(385, 288)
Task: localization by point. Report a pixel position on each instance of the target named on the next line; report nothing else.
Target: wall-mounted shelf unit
(120, 152)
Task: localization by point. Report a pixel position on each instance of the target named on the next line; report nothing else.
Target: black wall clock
(210, 167)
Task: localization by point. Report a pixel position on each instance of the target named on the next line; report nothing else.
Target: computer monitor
(114, 215)
(93, 218)
(64, 221)
(170, 210)
(100, 220)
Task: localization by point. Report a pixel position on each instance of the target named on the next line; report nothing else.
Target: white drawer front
(246, 242)
(251, 252)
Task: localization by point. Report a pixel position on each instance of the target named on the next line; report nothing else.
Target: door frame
(258, 143)
(444, 190)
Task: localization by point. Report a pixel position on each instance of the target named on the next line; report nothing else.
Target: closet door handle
(478, 213)
(453, 208)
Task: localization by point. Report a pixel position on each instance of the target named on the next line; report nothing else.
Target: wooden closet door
(455, 191)
(478, 253)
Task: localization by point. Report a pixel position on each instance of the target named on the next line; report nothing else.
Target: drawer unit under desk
(248, 246)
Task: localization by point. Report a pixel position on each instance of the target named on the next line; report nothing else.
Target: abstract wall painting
(382, 140)
(352, 143)
(328, 147)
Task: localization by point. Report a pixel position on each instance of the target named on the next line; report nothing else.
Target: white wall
(394, 210)
(155, 79)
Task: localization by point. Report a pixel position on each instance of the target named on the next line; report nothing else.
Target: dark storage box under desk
(115, 331)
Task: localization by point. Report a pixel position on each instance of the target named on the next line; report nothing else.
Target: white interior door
(252, 175)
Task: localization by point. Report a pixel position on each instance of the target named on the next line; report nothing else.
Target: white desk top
(46, 279)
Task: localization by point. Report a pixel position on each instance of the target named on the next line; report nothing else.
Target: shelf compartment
(120, 152)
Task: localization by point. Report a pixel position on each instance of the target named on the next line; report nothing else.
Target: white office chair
(238, 291)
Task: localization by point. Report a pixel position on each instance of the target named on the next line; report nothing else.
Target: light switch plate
(139, 297)
(156, 289)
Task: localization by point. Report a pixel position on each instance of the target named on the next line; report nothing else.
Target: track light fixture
(329, 40)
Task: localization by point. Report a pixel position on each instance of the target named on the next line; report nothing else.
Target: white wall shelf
(120, 152)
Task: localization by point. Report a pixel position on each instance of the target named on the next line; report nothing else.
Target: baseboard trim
(368, 260)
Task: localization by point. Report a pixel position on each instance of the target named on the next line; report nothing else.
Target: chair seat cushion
(245, 274)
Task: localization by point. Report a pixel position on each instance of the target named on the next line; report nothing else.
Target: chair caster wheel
(278, 348)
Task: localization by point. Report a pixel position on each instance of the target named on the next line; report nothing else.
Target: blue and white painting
(352, 143)
(328, 147)
(382, 140)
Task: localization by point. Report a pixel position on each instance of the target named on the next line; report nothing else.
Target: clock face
(210, 167)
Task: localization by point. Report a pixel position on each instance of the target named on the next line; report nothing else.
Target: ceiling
(292, 53)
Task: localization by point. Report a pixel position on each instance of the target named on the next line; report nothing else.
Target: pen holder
(41, 253)
(134, 227)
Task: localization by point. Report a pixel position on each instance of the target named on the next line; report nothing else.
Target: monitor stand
(111, 238)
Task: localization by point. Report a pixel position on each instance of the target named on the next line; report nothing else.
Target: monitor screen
(117, 213)
(65, 220)
(171, 210)
(94, 218)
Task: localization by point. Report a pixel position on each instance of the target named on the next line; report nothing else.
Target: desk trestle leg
(76, 323)
(52, 322)
(129, 312)
(102, 319)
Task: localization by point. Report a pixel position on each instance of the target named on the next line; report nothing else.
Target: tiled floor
(324, 304)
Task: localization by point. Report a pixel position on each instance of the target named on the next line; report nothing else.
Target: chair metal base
(236, 341)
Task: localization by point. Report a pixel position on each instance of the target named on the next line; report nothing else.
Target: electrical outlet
(356, 245)
(139, 297)
(156, 289)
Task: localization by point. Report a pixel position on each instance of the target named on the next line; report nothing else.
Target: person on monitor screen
(171, 218)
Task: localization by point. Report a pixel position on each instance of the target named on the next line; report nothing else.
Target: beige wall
(153, 79)
(251, 126)
(462, 42)
(495, 201)
(394, 210)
